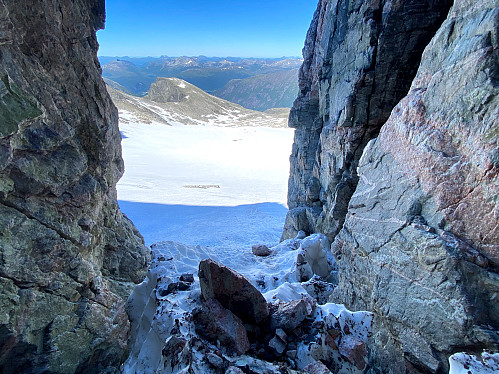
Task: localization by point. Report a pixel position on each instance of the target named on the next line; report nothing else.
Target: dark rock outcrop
(68, 256)
(233, 291)
(413, 214)
(288, 316)
(359, 60)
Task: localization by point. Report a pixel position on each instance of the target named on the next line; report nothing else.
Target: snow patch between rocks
(463, 363)
(163, 338)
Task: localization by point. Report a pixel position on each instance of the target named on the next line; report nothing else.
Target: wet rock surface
(69, 256)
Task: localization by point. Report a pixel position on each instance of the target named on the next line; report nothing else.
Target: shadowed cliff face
(413, 214)
(359, 60)
(68, 257)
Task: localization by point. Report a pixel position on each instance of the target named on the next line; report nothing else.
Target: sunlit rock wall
(68, 256)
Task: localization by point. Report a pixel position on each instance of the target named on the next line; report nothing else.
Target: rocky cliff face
(68, 256)
(412, 212)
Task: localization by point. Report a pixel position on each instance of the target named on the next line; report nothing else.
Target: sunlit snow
(205, 185)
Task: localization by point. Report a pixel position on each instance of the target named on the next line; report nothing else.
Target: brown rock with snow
(316, 367)
(233, 291)
(214, 322)
(260, 250)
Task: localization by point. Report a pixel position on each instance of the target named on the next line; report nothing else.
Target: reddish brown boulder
(214, 322)
(354, 351)
(233, 291)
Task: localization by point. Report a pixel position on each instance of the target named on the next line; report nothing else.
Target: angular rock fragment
(234, 370)
(233, 291)
(316, 367)
(214, 322)
(215, 360)
(318, 289)
(288, 316)
(281, 335)
(277, 345)
(187, 278)
(261, 250)
(174, 352)
(353, 350)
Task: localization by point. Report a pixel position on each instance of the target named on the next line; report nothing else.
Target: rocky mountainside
(264, 91)
(68, 256)
(208, 73)
(172, 101)
(396, 161)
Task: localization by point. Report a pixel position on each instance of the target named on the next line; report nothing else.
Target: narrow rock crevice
(372, 55)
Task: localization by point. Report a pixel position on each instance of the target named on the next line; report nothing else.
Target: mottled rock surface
(68, 256)
(412, 213)
(420, 244)
(359, 60)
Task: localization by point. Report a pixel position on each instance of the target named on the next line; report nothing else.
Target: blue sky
(237, 28)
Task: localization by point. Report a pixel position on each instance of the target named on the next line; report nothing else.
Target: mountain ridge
(173, 101)
(209, 74)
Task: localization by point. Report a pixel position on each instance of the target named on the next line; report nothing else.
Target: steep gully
(409, 208)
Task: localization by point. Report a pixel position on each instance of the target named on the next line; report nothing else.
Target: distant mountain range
(254, 83)
(264, 91)
(172, 101)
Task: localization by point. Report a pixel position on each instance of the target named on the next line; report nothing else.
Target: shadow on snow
(213, 226)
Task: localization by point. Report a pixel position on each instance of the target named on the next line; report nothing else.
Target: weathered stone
(69, 256)
(261, 250)
(354, 350)
(318, 289)
(215, 360)
(281, 334)
(413, 213)
(291, 353)
(175, 352)
(422, 224)
(234, 370)
(277, 345)
(233, 291)
(187, 278)
(316, 367)
(214, 322)
(289, 315)
(359, 60)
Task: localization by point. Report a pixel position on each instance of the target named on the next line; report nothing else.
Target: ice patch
(463, 363)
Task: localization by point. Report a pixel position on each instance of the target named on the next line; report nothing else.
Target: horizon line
(165, 56)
